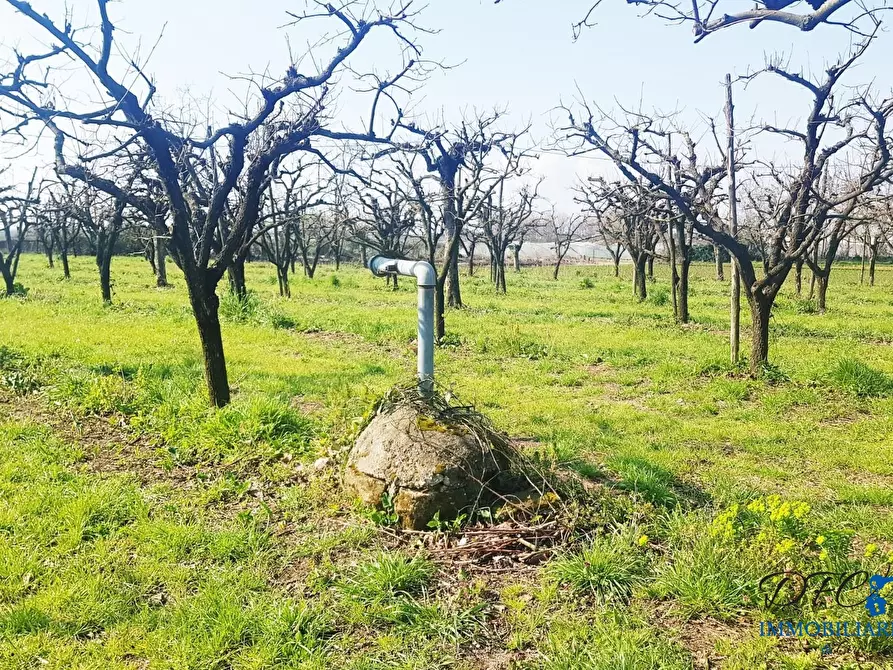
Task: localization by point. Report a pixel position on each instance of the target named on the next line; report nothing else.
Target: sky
(519, 55)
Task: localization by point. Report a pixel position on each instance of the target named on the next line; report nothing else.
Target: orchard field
(139, 529)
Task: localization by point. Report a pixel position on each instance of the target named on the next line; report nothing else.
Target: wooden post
(735, 311)
(862, 275)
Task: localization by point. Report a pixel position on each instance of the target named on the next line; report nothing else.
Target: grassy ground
(139, 529)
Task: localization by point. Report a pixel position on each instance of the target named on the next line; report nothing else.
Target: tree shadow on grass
(655, 484)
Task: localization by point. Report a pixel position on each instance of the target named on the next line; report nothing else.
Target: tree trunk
(555, 270)
(160, 262)
(205, 307)
(105, 277)
(650, 263)
(798, 277)
(150, 256)
(310, 269)
(815, 262)
(471, 247)
(105, 248)
(760, 313)
(617, 266)
(500, 275)
(63, 253)
(439, 306)
(821, 283)
(674, 273)
(720, 270)
(362, 255)
(451, 254)
(454, 293)
(872, 262)
(516, 255)
(640, 289)
(8, 278)
(862, 272)
(282, 275)
(236, 274)
(683, 291)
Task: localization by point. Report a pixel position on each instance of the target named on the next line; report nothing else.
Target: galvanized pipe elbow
(426, 280)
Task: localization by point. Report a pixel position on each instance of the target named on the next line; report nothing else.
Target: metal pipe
(426, 280)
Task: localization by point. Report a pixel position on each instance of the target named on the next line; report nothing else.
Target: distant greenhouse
(543, 253)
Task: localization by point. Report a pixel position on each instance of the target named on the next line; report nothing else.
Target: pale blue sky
(518, 54)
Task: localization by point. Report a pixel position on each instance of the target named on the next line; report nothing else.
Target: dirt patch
(305, 406)
(598, 368)
(700, 636)
(109, 445)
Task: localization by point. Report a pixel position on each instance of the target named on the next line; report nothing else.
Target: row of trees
(304, 218)
(282, 177)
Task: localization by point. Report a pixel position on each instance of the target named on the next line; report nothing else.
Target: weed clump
(387, 575)
(240, 309)
(609, 568)
(516, 345)
(251, 309)
(659, 296)
(860, 379)
(19, 374)
(805, 306)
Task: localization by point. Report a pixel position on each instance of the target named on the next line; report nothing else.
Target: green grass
(608, 568)
(860, 379)
(387, 575)
(138, 528)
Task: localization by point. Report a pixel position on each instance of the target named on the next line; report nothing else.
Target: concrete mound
(424, 467)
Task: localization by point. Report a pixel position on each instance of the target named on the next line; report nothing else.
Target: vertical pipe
(426, 279)
(426, 339)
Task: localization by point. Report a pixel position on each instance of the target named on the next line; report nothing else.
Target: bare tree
(291, 229)
(462, 160)
(607, 229)
(504, 223)
(45, 234)
(471, 237)
(55, 214)
(564, 230)
(803, 208)
(101, 218)
(827, 245)
(16, 218)
(288, 116)
(878, 229)
(710, 16)
(628, 210)
(387, 215)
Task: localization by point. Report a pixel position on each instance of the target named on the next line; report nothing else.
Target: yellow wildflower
(784, 546)
(757, 506)
(643, 541)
